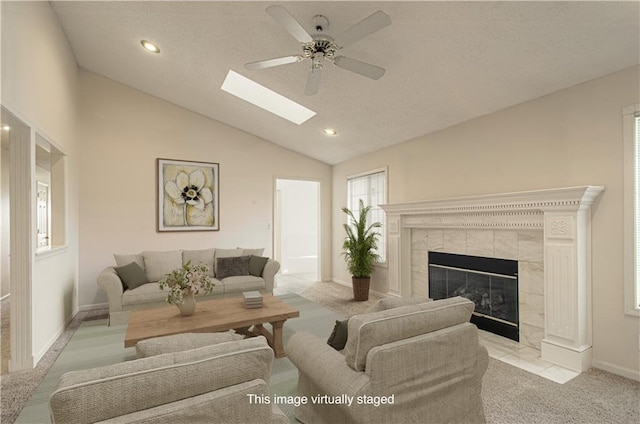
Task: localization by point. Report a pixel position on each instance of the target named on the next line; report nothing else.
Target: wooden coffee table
(215, 315)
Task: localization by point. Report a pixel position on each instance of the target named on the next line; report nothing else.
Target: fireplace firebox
(490, 283)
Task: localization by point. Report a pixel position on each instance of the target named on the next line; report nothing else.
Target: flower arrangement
(193, 278)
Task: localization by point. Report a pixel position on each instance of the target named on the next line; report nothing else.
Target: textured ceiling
(446, 62)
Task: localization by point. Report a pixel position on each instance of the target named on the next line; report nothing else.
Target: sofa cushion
(338, 337)
(146, 293)
(122, 260)
(180, 342)
(396, 302)
(256, 265)
(132, 275)
(158, 264)
(204, 257)
(254, 252)
(243, 283)
(231, 267)
(378, 328)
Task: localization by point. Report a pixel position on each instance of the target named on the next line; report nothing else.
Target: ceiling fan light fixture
(320, 47)
(149, 46)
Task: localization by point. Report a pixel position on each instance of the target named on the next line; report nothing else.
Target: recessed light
(6, 127)
(265, 98)
(329, 131)
(150, 46)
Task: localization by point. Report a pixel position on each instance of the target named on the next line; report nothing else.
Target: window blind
(636, 206)
(371, 189)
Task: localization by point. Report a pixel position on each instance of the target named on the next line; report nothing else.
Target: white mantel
(564, 217)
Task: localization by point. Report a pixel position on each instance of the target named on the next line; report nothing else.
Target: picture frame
(188, 195)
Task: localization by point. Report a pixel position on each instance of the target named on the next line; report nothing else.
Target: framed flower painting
(188, 196)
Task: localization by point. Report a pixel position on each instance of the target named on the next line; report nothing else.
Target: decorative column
(22, 236)
(394, 276)
(567, 282)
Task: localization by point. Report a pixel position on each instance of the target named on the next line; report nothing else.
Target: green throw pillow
(338, 338)
(132, 275)
(256, 265)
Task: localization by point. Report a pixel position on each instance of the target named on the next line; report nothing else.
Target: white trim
(384, 169)
(93, 306)
(22, 237)
(5, 296)
(630, 285)
(614, 369)
(48, 252)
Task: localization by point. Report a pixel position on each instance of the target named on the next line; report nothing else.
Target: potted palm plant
(359, 247)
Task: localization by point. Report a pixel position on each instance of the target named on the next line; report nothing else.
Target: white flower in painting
(189, 189)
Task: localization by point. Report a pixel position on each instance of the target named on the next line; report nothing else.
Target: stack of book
(252, 299)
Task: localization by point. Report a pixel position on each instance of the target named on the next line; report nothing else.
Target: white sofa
(156, 265)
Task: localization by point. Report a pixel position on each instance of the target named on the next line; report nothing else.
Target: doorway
(297, 233)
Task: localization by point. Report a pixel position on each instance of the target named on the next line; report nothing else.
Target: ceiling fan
(320, 47)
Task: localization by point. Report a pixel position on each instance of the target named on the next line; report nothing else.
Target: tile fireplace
(546, 231)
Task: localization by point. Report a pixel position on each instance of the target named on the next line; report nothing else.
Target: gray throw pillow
(256, 265)
(230, 267)
(132, 275)
(338, 338)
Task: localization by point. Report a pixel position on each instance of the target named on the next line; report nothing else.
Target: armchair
(419, 363)
(211, 384)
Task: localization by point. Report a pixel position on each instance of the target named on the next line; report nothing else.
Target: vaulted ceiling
(446, 62)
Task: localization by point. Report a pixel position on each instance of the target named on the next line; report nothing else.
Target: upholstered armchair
(423, 360)
(209, 384)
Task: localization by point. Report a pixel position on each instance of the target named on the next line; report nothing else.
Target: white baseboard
(344, 283)
(93, 306)
(614, 369)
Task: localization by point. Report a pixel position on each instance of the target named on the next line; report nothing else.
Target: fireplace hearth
(490, 283)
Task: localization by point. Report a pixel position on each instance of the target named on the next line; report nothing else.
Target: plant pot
(360, 288)
(188, 306)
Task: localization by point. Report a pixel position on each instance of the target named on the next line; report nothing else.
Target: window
(372, 189)
(42, 204)
(631, 154)
(50, 196)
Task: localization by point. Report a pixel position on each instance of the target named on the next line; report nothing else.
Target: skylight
(265, 98)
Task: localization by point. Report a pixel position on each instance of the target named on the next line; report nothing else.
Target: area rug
(510, 395)
(95, 344)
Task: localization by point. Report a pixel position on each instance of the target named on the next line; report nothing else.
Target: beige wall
(123, 131)
(4, 222)
(569, 138)
(39, 85)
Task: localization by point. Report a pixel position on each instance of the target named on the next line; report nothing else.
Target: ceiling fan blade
(362, 68)
(288, 22)
(270, 63)
(313, 80)
(374, 22)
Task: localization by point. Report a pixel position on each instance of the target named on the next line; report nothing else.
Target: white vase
(188, 306)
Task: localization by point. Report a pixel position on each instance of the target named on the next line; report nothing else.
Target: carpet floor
(510, 395)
